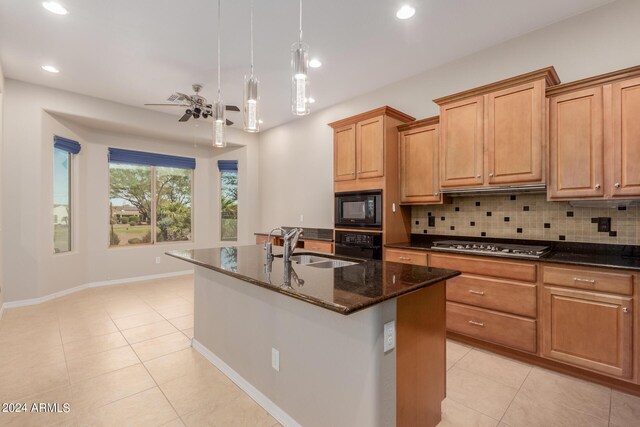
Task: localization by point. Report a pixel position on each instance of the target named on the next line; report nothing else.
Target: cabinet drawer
(406, 257)
(318, 246)
(505, 329)
(581, 278)
(525, 271)
(496, 294)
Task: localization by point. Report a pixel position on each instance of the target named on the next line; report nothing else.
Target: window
(228, 199)
(150, 198)
(63, 150)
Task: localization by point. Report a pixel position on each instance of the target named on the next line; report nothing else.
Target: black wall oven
(359, 209)
(359, 244)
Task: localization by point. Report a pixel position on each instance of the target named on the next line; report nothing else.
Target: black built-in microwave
(359, 209)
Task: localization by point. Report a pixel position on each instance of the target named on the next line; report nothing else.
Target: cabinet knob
(617, 185)
(491, 174)
(625, 309)
(435, 194)
(597, 186)
(478, 176)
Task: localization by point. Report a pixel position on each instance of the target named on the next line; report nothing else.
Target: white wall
(296, 160)
(33, 114)
(1, 202)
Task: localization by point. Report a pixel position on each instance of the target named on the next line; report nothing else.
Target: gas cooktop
(500, 249)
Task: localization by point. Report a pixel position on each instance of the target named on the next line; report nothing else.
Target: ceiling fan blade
(232, 108)
(229, 122)
(185, 117)
(168, 105)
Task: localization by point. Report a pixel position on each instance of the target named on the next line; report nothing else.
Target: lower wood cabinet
(578, 316)
(406, 256)
(318, 246)
(495, 294)
(588, 329)
(492, 326)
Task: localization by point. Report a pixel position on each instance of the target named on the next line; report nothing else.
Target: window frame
(71, 197)
(153, 212)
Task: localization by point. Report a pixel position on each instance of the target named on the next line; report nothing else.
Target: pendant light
(299, 75)
(250, 102)
(219, 120)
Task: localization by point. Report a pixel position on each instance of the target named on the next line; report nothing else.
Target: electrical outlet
(275, 359)
(157, 260)
(301, 218)
(389, 336)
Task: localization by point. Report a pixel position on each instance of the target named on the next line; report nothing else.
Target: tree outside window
(145, 198)
(229, 205)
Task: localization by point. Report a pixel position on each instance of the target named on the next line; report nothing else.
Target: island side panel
(333, 370)
(421, 356)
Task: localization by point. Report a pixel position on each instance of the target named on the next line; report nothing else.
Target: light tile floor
(121, 355)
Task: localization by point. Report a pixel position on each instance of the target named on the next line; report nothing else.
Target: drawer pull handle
(471, 291)
(590, 281)
(473, 322)
(404, 258)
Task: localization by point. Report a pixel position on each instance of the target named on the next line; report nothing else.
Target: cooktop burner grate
(501, 249)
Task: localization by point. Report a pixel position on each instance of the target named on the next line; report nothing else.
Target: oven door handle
(355, 245)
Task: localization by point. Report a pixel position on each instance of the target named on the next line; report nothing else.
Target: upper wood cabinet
(495, 135)
(419, 162)
(594, 138)
(370, 148)
(576, 144)
(461, 143)
(363, 147)
(344, 153)
(626, 138)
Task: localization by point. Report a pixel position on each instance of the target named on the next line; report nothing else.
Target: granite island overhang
(326, 327)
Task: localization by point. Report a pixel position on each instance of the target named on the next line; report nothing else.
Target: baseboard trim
(276, 412)
(40, 300)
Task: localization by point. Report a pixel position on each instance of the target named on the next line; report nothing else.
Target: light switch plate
(389, 336)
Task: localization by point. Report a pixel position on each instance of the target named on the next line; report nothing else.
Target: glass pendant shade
(300, 92)
(219, 124)
(251, 113)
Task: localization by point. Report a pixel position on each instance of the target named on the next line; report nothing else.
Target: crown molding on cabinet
(429, 121)
(594, 81)
(382, 111)
(548, 73)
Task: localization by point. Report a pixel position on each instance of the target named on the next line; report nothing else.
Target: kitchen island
(307, 343)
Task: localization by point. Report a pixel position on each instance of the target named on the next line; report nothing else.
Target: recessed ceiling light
(311, 100)
(405, 12)
(55, 7)
(315, 63)
(50, 68)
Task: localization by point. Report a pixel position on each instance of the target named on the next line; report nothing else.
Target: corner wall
(2, 292)
(296, 159)
(33, 114)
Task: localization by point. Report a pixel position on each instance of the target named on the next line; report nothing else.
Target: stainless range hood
(487, 191)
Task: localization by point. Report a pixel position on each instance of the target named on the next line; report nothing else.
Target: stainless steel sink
(321, 262)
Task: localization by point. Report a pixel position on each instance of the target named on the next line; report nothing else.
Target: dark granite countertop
(586, 254)
(324, 234)
(344, 290)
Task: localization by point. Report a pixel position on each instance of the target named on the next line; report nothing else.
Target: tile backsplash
(527, 216)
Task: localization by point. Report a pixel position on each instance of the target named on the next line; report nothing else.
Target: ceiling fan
(196, 105)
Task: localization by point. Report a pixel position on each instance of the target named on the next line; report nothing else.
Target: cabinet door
(576, 145)
(344, 153)
(370, 148)
(588, 329)
(419, 166)
(626, 139)
(515, 134)
(461, 143)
